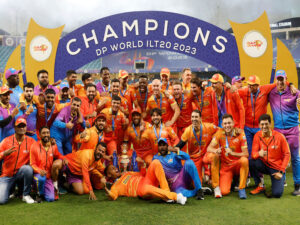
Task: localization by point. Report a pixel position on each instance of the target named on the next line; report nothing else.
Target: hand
(92, 196)
(42, 98)
(56, 83)
(108, 157)
(43, 173)
(167, 93)
(69, 125)
(9, 151)
(108, 193)
(103, 181)
(65, 162)
(238, 131)
(277, 175)
(139, 160)
(53, 141)
(204, 83)
(29, 110)
(228, 151)
(262, 153)
(22, 106)
(80, 117)
(83, 134)
(293, 89)
(218, 150)
(71, 92)
(87, 124)
(104, 94)
(233, 89)
(15, 112)
(168, 123)
(298, 101)
(142, 126)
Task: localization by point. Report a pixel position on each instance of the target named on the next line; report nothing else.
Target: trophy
(124, 159)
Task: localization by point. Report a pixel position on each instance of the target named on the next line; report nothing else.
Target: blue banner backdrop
(148, 30)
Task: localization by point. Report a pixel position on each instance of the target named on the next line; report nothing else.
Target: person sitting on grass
(141, 184)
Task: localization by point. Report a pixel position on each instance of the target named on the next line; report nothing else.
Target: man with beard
(204, 101)
(227, 102)
(159, 130)
(166, 103)
(231, 147)
(197, 137)
(66, 125)
(106, 101)
(165, 80)
(180, 177)
(86, 80)
(126, 89)
(141, 184)
(184, 102)
(73, 87)
(14, 151)
(116, 124)
(89, 105)
(133, 135)
(64, 94)
(12, 77)
(79, 166)
(286, 120)
(186, 79)
(43, 79)
(42, 156)
(7, 113)
(104, 86)
(29, 110)
(91, 136)
(140, 96)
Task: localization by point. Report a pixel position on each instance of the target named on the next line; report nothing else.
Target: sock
(55, 185)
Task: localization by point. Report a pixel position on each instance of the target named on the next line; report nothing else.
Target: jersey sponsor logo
(287, 100)
(274, 146)
(125, 181)
(25, 151)
(170, 160)
(236, 140)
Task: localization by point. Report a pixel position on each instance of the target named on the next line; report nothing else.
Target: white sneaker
(217, 192)
(12, 196)
(28, 199)
(181, 199)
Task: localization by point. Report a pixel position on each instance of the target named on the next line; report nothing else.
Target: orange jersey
(142, 98)
(13, 162)
(236, 142)
(186, 108)
(42, 159)
(81, 92)
(88, 108)
(207, 105)
(164, 104)
(257, 106)
(278, 151)
(133, 136)
(127, 93)
(162, 132)
(124, 103)
(82, 162)
(91, 139)
(207, 133)
(114, 124)
(126, 185)
(186, 87)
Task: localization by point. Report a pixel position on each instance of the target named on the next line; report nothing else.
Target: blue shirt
(15, 96)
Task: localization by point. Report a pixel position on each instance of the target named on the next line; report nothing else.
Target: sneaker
(217, 192)
(285, 184)
(181, 199)
(236, 188)
(199, 195)
(28, 199)
(38, 199)
(12, 196)
(297, 190)
(207, 191)
(257, 190)
(56, 197)
(242, 193)
(62, 191)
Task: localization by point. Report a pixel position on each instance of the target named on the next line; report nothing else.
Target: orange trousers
(155, 176)
(214, 160)
(239, 167)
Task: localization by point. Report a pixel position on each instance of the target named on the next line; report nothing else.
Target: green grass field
(72, 209)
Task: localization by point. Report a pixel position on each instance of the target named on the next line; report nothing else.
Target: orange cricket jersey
(207, 107)
(186, 109)
(277, 147)
(13, 162)
(116, 131)
(91, 139)
(124, 103)
(188, 136)
(236, 143)
(88, 107)
(259, 104)
(164, 104)
(42, 159)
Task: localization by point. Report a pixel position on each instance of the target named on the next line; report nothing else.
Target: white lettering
(204, 39)
(220, 43)
(166, 28)
(107, 35)
(134, 25)
(69, 50)
(148, 27)
(187, 30)
(87, 40)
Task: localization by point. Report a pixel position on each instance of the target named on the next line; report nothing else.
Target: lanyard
(48, 118)
(219, 103)
(167, 88)
(160, 100)
(227, 142)
(113, 121)
(135, 130)
(100, 137)
(157, 137)
(181, 103)
(103, 88)
(253, 105)
(200, 137)
(123, 93)
(146, 98)
(201, 105)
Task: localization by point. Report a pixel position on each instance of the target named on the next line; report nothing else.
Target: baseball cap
(11, 71)
(19, 121)
(64, 85)
(236, 79)
(101, 115)
(162, 139)
(217, 78)
(5, 89)
(280, 73)
(123, 74)
(253, 79)
(136, 110)
(165, 71)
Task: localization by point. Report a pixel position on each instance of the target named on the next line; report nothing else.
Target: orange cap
(217, 78)
(19, 121)
(5, 89)
(123, 74)
(165, 71)
(253, 80)
(136, 110)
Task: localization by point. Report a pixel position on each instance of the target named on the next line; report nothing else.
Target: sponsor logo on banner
(40, 48)
(254, 44)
